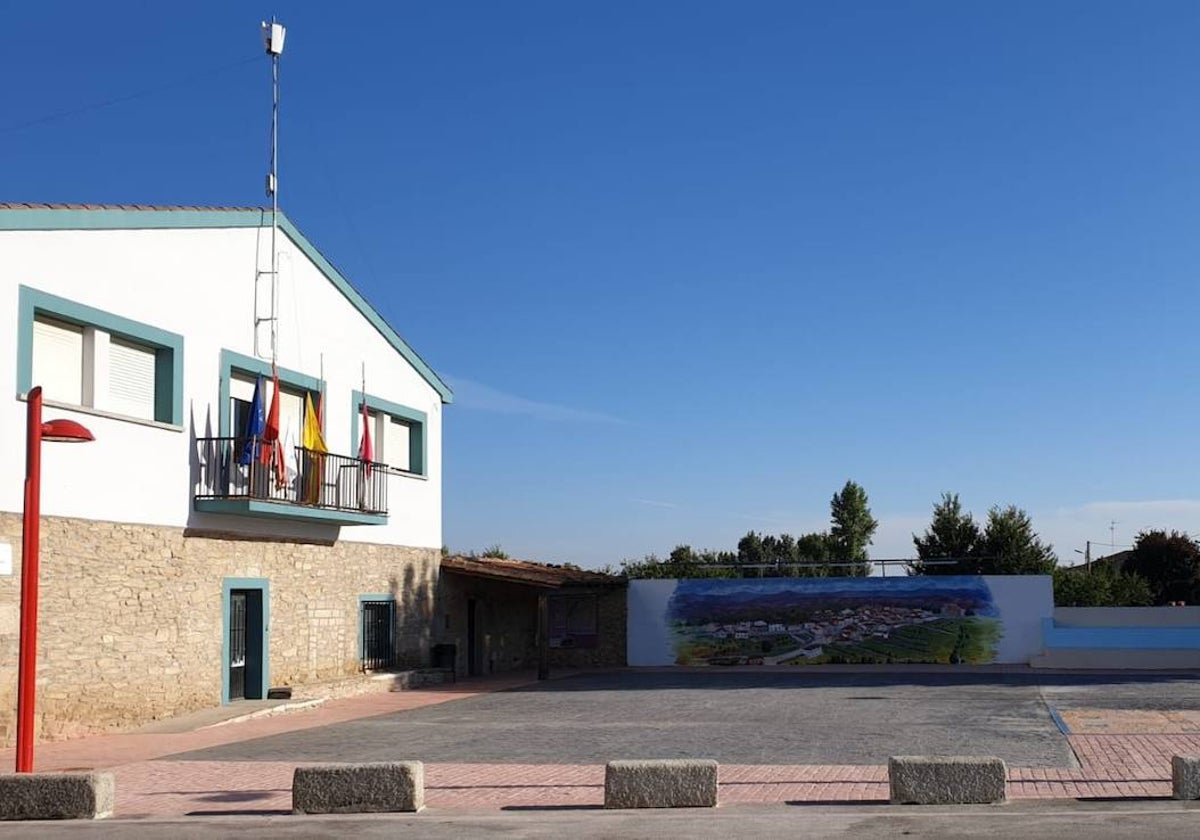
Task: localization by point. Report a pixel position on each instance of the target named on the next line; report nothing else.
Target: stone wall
(505, 623)
(610, 633)
(131, 621)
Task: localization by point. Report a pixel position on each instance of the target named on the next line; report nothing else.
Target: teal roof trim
(122, 218)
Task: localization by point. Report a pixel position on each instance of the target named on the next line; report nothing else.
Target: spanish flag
(313, 439)
(314, 454)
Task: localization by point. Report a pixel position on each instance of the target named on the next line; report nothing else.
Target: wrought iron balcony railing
(233, 468)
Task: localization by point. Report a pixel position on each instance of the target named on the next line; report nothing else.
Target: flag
(254, 426)
(270, 434)
(313, 439)
(366, 452)
(290, 468)
(314, 453)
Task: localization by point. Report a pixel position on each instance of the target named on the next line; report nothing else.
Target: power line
(96, 106)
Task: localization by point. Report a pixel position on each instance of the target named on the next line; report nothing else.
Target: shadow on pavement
(710, 679)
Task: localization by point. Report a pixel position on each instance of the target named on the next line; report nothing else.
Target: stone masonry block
(56, 796)
(668, 783)
(1185, 776)
(359, 788)
(946, 780)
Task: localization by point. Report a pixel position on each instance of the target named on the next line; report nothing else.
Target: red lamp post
(36, 432)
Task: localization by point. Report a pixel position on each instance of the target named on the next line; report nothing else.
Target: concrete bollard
(359, 788)
(669, 783)
(946, 780)
(1185, 776)
(57, 796)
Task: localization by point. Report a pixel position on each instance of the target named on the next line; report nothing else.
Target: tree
(750, 551)
(1009, 546)
(1170, 563)
(1101, 587)
(852, 528)
(813, 554)
(952, 535)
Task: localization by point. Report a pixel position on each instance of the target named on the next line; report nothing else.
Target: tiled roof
(28, 205)
(524, 571)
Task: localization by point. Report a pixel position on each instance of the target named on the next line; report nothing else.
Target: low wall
(1127, 616)
(1134, 638)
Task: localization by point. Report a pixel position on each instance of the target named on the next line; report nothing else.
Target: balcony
(298, 484)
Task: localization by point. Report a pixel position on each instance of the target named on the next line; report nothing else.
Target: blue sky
(690, 266)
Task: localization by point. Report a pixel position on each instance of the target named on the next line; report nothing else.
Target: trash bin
(444, 656)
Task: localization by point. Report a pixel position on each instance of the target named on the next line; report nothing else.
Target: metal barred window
(378, 635)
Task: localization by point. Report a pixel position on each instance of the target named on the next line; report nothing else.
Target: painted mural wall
(809, 621)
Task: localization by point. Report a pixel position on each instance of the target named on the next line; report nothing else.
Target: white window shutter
(131, 379)
(291, 414)
(58, 360)
(395, 444)
(242, 388)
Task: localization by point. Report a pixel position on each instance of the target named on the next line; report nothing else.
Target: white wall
(201, 283)
(1018, 602)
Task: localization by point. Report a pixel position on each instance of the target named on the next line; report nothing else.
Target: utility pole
(1087, 556)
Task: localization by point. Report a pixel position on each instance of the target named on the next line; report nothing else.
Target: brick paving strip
(1114, 765)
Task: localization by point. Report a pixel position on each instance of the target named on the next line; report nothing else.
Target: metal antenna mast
(273, 36)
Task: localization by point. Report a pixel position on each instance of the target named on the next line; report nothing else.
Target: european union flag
(256, 423)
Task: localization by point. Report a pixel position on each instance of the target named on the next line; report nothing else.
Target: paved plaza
(777, 717)
(781, 735)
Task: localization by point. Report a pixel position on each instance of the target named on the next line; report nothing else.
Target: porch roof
(542, 575)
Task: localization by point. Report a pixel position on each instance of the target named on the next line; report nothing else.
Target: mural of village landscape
(808, 621)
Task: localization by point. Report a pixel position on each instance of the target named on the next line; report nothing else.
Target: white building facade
(179, 568)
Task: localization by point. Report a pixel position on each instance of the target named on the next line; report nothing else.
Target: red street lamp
(36, 431)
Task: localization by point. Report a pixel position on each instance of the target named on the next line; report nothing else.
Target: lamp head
(66, 431)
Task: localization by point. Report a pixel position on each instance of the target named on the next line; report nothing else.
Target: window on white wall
(291, 406)
(391, 440)
(130, 379)
(88, 367)
(397, 434)
(85, 357)
(395, 443)
(58, 360)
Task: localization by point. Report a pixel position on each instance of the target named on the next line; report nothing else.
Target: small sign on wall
(5, 559)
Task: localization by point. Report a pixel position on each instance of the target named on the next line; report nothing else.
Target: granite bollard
(359, 788)
(57, 796)
(946, 780)
(1185, 776)
(667, 783)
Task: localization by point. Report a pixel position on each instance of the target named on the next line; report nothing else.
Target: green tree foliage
(1101, 587)
(1006, 545)
(1170, 564)
(682, 562)
(852, 528)
(1009, 546)
(951, 535)
(782, 555)
(813, 553)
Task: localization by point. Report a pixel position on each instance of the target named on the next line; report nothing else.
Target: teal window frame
(418, 429)
(232, 362)
(168, 347)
